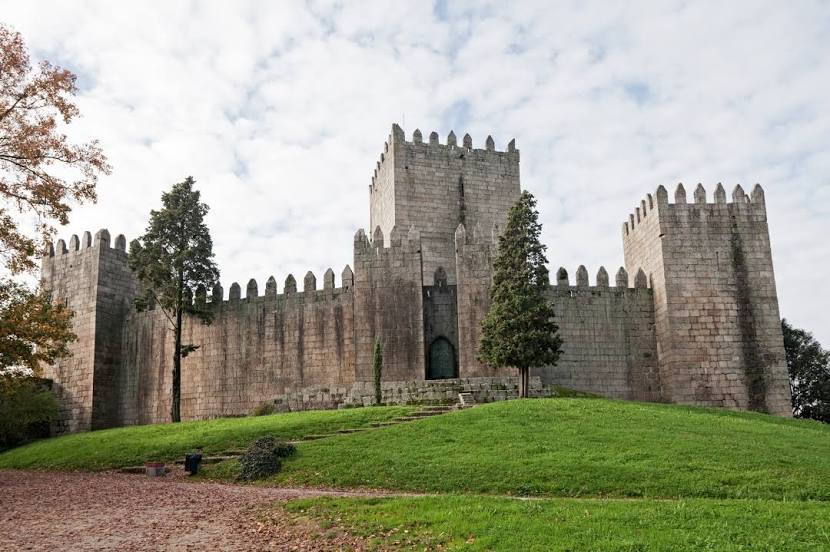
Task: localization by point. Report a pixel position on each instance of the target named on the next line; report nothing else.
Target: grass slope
(490, 523)
(126, 446)
(578, 447)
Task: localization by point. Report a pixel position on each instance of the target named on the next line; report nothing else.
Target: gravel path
(110, 511)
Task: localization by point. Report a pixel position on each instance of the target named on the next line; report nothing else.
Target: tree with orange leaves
(41, 172)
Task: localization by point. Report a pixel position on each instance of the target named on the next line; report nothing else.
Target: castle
(692, 318)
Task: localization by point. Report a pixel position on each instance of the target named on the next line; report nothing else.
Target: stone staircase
(425, 412)
(466, 400)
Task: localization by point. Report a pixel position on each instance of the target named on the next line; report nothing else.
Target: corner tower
(718, 329)
(94, 280)
(434, 187)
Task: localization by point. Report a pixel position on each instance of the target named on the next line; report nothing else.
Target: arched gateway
(441, 360)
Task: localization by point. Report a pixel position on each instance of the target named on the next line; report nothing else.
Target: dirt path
(83, 511)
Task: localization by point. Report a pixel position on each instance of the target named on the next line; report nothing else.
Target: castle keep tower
(718, 329)
(434, 187)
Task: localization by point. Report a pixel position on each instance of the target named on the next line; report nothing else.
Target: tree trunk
(523, 382)
(175, 409)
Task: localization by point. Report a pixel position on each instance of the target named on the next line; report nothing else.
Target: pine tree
(519, 330)
(174, 256)
(377, 367)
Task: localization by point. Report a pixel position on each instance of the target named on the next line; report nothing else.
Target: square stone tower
(95, 281)
(718, 329)
(434, 187)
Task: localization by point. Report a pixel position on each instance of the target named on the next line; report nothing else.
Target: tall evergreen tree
(174, 256)
(519, 329)
(377, 368)
(809, 367)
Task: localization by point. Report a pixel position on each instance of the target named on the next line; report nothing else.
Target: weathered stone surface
(716, 309)
(434, 187)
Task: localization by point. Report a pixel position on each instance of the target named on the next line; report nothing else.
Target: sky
(279, 110)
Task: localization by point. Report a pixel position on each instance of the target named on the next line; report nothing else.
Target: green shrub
(264, 458)
(27, 408)
(285, 449)
(264, 409)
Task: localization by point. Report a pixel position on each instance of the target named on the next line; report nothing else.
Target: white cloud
(280, 110)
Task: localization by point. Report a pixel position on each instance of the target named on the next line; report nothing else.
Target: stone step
(315, 437)
(383, 424)
(423, 414)
(352, 430)
(441, 408)
(466, 399)
(214, 459)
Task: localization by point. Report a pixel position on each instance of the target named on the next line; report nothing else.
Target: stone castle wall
(608, 336)
(258, 347)
(608, 333)
(474, 252)
(389, 304)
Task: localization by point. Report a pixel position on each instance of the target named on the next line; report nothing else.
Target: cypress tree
(519, 330)
(377, 367)
(174, 256)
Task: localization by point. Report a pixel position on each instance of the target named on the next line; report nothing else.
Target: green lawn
(613, 475)
(488, 523)
(127, 446)
(579, 447)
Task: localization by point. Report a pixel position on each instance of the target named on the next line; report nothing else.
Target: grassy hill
(579, 447)
(129, 446)
(603, 475)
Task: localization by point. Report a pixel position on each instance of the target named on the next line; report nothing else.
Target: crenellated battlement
(79, 245)
(397, 141)
(754, 203)
(399, 241)
(309, 292)
(621, 280)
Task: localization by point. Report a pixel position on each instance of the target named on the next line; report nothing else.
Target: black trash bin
(192, 461)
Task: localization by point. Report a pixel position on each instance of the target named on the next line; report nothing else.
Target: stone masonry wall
(608, 337)
(116, 289)
(382, 190)
(474, 260)
(437, 186)
(257, 348)
(608, 332)
(93, 280)
(72, 277)
(718, 326)
(388, 304)
(443, 391)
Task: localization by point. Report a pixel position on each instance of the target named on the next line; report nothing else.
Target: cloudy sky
(280, 110)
